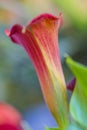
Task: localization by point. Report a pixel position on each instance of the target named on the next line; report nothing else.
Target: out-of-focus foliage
(76, 10)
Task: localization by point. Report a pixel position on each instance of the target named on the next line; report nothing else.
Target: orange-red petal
(40, 40)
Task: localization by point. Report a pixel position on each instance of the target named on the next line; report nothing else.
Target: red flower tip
(42, 16)
(15, 30)
(71, 84)
(47, 17)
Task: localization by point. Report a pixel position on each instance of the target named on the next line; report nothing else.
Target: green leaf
(74, 126)
(78, 103)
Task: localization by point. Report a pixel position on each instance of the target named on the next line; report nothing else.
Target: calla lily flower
(40, 40)
(10, 119)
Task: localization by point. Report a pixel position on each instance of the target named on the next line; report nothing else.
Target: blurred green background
(18, 81)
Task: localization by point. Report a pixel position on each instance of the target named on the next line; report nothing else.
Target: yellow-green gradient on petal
(40, 40)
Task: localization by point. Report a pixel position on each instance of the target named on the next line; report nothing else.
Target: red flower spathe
(40, 40)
